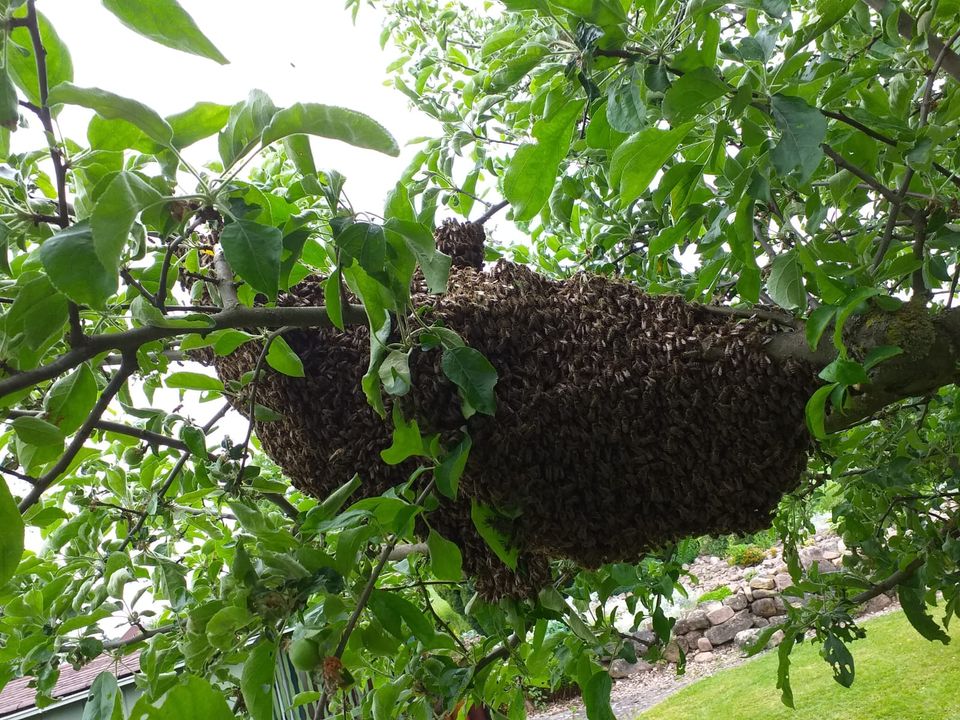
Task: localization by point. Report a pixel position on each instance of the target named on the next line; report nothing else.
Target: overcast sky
(295, 50)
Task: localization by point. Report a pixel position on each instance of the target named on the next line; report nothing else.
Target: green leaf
(407, 440)
(783, 668)
(395, 373)
(36, 431)
(785, 283)
(365, 242)
(915, 608)
(691, 92)
(596, 696)
(11, 534)
(198, 122)
(625, 111)
(192, 697)
(71, 262)
(446, 561)
(532, 172)
(332, 122)
(22, 63)
(815, 411)
(114, 107)
(165, 22)
(390, 608)
(256, 680)
(192, 381)
(282, 358)
(802, 130)
(253, 251)
(845, 372)
(195, 440)
(70, 399)
(836, 653)
(334, 502)
(817, 323)
(880, 353)
(470, 371)
(849, 305)
(104, 700)
(245, 126)
(638, 160)
(484, 519)
(38, 313)
(385, 701)
(419, 240)
(449, 471)
(148, 314)
(332, 299)
(113, 216)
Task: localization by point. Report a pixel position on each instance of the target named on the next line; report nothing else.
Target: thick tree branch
(930, 358)
(907, 27)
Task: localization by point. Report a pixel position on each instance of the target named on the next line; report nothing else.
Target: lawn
(900, 676)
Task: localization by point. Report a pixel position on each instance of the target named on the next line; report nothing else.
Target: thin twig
(859, 172)
(491, 211)
(172, 476)
(252, 403)
(46, 118)
(365, 597)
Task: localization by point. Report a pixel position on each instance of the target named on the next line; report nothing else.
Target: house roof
(18, 696)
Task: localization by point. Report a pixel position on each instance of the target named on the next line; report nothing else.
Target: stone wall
(755, 603)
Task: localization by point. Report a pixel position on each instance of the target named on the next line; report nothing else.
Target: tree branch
(491, 211)
(126, 369)
(130, 340)
(46, 118)
(907, 27)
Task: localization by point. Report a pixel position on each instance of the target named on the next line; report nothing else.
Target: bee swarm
(624, 420)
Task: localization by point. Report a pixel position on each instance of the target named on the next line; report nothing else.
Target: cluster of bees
(624, 421)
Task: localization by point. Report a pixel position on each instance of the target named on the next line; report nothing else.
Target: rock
(639, 648)
(814, 555)
(764, 607)
(760, 622)
(876, 604)
(759, 594)
(645, 636)
(692, 638)
(778, 619)
(704, 645)
(620, 668)
(746, 639)
(830, 555)
(725, 632)
(748, 593)
(671, 653)
(720, 615)
(694, 620)
(702, 657)
(736, 602)
(762, 583)
(783, 580)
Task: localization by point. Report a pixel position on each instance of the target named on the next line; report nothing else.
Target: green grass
(900, 676)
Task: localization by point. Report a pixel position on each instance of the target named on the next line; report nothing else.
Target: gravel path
(632, 696)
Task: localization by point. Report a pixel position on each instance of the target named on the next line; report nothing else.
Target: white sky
(295, 50)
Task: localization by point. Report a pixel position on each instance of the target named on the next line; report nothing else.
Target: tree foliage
(798, 157)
